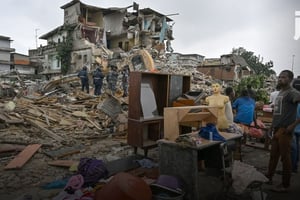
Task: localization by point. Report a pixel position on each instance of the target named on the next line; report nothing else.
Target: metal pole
(293, 57)
(36, 38)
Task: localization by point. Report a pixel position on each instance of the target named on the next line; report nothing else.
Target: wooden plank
(51, 115)
(94, 124)
(34, 112)
(23, 157)
(9, 119)
(79, 114)
(48, 132)
(65, 122)
(11, 147)
(37, 120)
(171, 124)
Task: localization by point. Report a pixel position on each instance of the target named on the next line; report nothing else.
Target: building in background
(5, 50)
(22, 64)
(228, 68)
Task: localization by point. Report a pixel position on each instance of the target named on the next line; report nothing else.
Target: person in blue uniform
(83, 75)
(98, 81)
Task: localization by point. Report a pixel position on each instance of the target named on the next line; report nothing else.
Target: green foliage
(255, 62)
(64, 50)
(257, 83)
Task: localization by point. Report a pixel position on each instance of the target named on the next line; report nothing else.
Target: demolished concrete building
(129, 36)
(229, 68)
(99, 35)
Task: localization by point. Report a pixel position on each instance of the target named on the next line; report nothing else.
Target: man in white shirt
(273, 96)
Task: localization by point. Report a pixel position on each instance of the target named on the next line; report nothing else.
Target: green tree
(255, 62)
(257, 83)
(64, 50)
(257, 80)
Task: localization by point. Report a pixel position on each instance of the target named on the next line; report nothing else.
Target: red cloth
(257, 132)
(124, 186)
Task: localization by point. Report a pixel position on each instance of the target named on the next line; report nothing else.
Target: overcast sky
(206, 27)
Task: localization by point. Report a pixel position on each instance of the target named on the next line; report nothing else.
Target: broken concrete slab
(111, 106)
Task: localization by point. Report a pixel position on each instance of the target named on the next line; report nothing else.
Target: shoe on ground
(280, 189)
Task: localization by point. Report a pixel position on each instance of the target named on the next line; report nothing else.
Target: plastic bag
(244, 174)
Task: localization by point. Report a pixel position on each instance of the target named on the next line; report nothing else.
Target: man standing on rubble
(83, 75)
(112, 79)
(283, 124)
(98, 81)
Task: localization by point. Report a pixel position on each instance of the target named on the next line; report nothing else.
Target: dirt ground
(37, 172)
(27, 181)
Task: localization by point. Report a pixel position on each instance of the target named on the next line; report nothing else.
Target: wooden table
(182, 160)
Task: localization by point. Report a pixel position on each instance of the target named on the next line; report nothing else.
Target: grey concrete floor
(259, 159)
(212, 188)
(209, 189)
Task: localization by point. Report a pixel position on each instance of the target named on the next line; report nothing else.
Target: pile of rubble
(68, 124)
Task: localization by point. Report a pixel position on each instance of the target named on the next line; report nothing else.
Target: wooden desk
(192, 116)
(182, 161)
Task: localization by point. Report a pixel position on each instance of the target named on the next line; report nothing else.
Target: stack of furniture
(149, 94)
